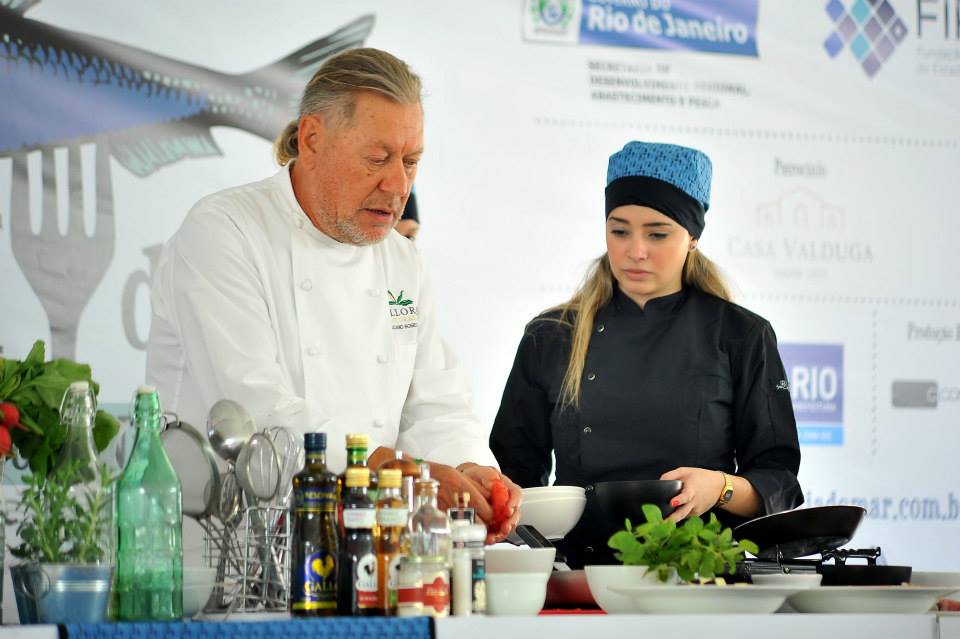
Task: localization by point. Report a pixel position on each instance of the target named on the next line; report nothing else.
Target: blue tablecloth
(331, 628)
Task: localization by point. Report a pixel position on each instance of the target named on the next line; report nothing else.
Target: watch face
(727, 495)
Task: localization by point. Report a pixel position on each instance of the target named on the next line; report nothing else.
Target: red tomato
(499, 500)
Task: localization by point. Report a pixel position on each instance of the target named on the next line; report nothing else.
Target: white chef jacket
(251, 302)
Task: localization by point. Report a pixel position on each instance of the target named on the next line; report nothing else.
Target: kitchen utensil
(289, 449)
(803, 531)
(196, 465)
(229, 426)
(258, 468)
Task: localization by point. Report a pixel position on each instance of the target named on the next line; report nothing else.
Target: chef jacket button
(587, 430)
(588, 488)
(379, 423)
(313, 351)
(591, 376)
(373, 292)
(306, 284)
(300, 223)
(588, 549)
(383, 358)
(600, 328)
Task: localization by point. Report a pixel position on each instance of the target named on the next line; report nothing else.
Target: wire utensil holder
(253, 559)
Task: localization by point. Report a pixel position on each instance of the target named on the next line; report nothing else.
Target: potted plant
(60, 549)
(691, 551)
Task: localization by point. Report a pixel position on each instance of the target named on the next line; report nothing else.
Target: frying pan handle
(533, 538)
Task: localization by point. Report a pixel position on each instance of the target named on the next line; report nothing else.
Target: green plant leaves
(697, 550)
(36, 388)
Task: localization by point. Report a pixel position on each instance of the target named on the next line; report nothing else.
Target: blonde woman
(649, 371)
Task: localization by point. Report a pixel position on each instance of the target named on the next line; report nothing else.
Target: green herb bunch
(59, 528)
(695, 549)
(36, 388)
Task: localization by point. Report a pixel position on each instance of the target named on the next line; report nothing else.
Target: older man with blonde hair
(295, 297)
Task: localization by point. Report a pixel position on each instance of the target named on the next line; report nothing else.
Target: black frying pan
(802, 532)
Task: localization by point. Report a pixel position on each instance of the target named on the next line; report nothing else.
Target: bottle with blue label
(314, 535)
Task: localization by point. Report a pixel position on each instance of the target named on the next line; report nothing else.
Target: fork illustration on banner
(143, 111)
(63, 269)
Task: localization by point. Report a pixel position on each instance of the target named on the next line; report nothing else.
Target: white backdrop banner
(833, 126)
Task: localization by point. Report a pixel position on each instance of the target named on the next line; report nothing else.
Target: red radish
(5, 443)
(10, 415)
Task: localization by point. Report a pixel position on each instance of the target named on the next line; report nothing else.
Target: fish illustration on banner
(142, 109)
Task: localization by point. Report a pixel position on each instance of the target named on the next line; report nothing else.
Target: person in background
(409, 224)
(294, 296)
(649, 371)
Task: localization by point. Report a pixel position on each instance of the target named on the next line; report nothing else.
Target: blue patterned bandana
(672, 179)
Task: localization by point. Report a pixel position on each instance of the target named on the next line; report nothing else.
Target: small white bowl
(511, 559)
(516, 593)
(553, 517)
(198, 583)
(788, 580)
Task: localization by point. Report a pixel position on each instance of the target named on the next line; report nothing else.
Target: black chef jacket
(689, 380)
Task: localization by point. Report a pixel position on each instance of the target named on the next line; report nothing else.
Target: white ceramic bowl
(511, 559)
(554, 517)
(549, 492)
(791, 580)
(197, 585)
(511, 593)
(601, 578)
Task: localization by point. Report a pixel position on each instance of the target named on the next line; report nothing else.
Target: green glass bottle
(149, 585)
(314, 544)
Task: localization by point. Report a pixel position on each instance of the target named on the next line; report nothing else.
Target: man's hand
(453, 483)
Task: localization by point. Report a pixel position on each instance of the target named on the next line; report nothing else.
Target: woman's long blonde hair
(596, 292)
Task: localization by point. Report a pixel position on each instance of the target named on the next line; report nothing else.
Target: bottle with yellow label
(314, 539)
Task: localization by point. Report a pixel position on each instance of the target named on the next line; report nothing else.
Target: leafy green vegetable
(695, 549)
(36, 388)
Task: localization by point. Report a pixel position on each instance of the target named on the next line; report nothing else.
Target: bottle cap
(390, 478)
(358, 477)
(80, 387)
(146, 389)
(315, 441)
(358, 440)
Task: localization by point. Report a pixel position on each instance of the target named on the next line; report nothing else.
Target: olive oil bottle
(314, 539)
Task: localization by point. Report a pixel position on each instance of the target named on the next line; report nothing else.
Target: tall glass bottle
(90, 484)
(430, 543)
(149, 584)
(314, 541)
(357, 585)
(392, 541)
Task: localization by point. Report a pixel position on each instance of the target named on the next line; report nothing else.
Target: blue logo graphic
(870, 28)
(816, 387)
(715, 27)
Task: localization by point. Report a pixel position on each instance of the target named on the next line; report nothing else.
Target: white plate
(867, 599)
(705, 599)
(937, 579)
